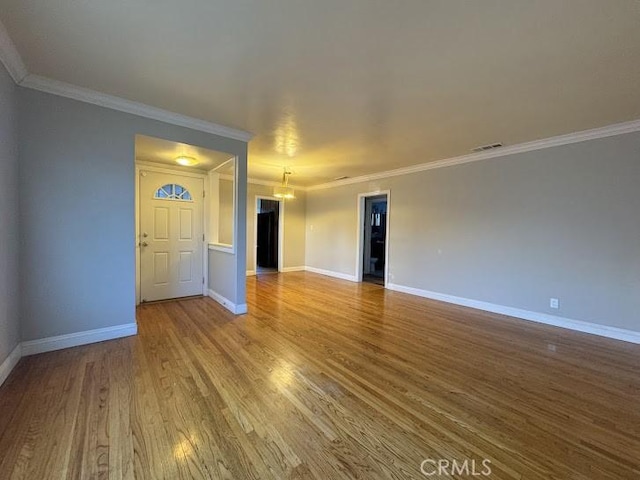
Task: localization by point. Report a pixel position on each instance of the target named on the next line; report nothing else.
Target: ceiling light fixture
(284, 191)
(186, 161)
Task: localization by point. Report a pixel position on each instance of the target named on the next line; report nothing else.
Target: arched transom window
(173, 191)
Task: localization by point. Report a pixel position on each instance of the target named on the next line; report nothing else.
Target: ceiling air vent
(486, 147)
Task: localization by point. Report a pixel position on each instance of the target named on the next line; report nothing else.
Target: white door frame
(280, 231)
(205, 212)
(360, 237)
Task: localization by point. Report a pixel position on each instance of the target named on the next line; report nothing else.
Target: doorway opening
(373, 251)
(268, 235)
(184, 209)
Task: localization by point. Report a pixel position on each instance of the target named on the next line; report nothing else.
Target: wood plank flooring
(325, 379)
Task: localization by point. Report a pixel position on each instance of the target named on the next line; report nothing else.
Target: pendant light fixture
(284, 191)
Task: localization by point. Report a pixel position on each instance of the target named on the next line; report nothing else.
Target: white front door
(171, 236)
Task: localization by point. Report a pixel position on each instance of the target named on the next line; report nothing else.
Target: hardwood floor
(325, 379)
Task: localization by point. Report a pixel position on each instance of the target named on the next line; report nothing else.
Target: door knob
(144, 244)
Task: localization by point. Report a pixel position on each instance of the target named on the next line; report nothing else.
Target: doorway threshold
(373, 279)
(261, 270)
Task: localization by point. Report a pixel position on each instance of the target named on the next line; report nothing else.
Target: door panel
(161, 223)
(171, 236)
(186, 266)
(186, 224)
(160, 268)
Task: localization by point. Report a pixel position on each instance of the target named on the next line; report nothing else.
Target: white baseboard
(577, 325)
(293, 269)
(329, 273)
(32, 347)
(10, 362)
(228, 304)
(251, 273)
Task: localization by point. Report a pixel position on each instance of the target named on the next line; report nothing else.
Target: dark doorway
(375, 236)
(268, 213)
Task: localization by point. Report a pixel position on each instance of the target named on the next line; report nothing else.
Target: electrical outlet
(554, 303)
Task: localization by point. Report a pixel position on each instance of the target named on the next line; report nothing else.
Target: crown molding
(12, 61)
(576, 137)
(271, 183)
(86, 95)
(10, 57)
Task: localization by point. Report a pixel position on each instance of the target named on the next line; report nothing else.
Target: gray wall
(9, 234)
(220, 282)
(562, 222)
(294, 226)
(77, 211)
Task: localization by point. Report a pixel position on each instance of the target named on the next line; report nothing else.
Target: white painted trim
(280, 230)
(576, 325)
(223, 165)
(10, 57)
(222, 247)
(55, 87)
(137, 239)
(10, 363)
(59, 342)
(214, 188)
(330, 273)
(360, 234)
(270, 183)
(12, 61)
(576, 137)
(236, 201)
(251, 273)
(228, 304)
(293, 269)
(206, 230)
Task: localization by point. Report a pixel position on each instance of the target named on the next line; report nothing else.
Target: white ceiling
(349, 87)
(165, 152)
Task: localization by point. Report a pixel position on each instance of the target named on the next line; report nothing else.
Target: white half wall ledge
(49, 344)
(330, 273)
(543, 318)
(10, 363)
(237, 309)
